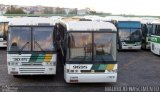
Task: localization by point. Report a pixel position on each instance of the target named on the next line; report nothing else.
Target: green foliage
(74, 11)
(60, 11)
(14, 10)
(48, 10)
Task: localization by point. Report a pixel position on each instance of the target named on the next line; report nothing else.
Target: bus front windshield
(129, 34)
(31, 39)
(43, 39)
(92, 47)
(20, 39)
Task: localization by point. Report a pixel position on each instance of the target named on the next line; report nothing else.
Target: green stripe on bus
(95, 66)
(33, 58)
(40, 58)
(155, 39)
(102, 67)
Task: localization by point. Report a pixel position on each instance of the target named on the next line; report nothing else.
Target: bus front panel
(91, 57)
(31, 50)
(31, 64)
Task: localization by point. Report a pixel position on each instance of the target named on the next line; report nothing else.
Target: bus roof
(3, 19)
(156, 22)
(30, 21)
(89, 26)
(128, 24)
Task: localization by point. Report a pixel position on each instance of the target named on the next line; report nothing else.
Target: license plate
(14, 73)
(129, 47)
(73, 81)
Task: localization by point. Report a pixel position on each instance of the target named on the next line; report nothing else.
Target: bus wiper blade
(38, 45)
(24, 46)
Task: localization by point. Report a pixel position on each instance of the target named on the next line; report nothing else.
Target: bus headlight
(14, 63)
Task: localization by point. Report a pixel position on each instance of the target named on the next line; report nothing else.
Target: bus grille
(32, 70)
(36, 64)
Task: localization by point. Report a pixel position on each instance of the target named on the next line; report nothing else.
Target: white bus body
(30, 48)
(155, 38)
(79, 65)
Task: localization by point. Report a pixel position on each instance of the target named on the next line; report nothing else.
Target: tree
(14, 10)
(60, 11)
(48, 10)
(74, 11)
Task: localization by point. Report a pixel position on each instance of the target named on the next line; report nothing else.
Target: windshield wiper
(24, 46)
(38, 45)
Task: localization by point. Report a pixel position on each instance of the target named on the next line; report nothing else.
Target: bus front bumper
(32, 70)
(155, 48)
(131, 47)
(91, 78)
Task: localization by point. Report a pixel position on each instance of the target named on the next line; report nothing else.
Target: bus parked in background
(129, 35)
(89, 51)
(31, 46)
(148, 29)
(3, 32)
(155, 38)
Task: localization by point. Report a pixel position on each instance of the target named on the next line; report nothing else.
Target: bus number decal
(20, 59)
(79, 67)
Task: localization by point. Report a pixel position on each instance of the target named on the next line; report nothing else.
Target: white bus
(129, 35)
(147, 30)
(155, 38)
(89, 51)
(31, 46)
(3, 32)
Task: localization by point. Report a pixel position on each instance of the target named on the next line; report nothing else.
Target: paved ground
(136, 68)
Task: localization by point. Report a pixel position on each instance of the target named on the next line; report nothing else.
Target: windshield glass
(1, 29)
(82, 46)
(158, 30)
(43, 39)
(129, 34)
(19, 39)
(104, 47)
(150, 28)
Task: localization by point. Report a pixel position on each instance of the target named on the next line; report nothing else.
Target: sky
(135, 7)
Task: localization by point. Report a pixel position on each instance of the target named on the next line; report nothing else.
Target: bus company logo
(20, 59)
(79, 67)
(154, 39)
